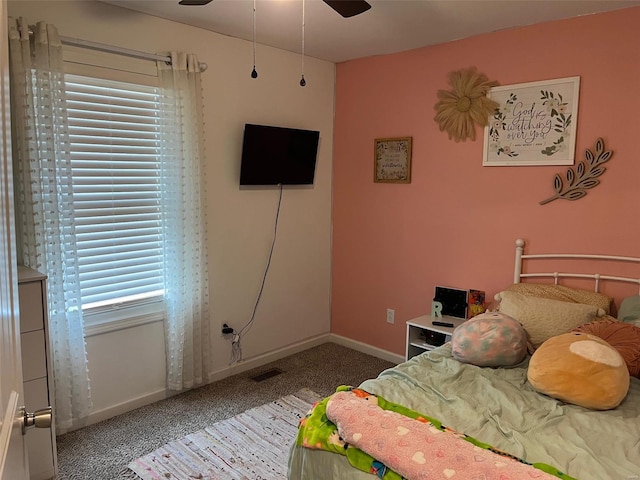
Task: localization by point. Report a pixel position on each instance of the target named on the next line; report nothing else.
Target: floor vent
(265, 375)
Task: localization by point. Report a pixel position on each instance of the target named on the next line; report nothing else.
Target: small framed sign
(392, 160)
(535, 123)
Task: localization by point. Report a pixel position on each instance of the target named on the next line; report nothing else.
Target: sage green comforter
(499, 407)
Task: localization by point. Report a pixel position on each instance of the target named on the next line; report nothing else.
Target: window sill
(116, 319)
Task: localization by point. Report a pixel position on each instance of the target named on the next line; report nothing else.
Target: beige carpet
(254, 444)
(103, 450)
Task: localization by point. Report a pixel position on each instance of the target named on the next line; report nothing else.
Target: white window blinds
(114, 142)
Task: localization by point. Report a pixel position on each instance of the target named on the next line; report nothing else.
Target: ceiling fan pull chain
(254, 73)
(302, 80)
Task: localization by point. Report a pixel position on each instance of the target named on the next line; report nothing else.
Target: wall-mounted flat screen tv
(278, 155)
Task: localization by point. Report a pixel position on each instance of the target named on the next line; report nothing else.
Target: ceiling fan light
(348, 8)
(194, 3)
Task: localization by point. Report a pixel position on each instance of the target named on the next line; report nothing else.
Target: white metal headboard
(518, 275)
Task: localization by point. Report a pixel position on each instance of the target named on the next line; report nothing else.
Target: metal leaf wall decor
(583, 178)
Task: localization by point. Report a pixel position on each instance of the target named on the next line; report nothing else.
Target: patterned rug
(254, 444)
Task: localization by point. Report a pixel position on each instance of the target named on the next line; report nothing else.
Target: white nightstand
(423, 335)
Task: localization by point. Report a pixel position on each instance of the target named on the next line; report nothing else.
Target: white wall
(127, 367)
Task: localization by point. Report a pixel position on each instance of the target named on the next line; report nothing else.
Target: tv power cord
(236, 347)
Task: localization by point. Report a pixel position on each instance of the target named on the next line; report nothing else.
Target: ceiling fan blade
(194, 2)
(348, 8)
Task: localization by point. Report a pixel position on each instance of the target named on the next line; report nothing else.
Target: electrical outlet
(391, 315)
(227, 330)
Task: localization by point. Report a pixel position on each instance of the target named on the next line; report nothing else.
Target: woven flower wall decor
(466, 105)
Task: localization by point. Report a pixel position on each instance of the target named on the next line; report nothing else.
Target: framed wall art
(392, 160)
(535, 124)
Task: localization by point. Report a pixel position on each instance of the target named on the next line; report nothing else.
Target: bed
(499, 407)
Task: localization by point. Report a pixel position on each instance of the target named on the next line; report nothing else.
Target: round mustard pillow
(491, 339)
(581, 369)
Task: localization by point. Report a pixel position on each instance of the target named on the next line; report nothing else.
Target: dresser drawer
(34, 356)
(39, 440)
(31, 315)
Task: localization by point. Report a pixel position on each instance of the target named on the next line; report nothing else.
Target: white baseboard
(268, 357)
(124, 407)
(254, 362)
(152, 397)
(366, 348)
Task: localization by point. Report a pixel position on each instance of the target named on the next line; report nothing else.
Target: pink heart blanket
(415, 448)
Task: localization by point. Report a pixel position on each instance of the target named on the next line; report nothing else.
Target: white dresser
(36, 370)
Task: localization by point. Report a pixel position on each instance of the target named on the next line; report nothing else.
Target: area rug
(252, 445)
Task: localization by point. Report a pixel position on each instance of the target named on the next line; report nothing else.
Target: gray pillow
(630, 310)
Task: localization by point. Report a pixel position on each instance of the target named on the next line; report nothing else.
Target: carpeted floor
(102, 451)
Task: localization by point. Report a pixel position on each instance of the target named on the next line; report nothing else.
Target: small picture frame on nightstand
(454, 301)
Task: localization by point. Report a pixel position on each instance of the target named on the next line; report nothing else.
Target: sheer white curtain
(187, 324)
(44, 205)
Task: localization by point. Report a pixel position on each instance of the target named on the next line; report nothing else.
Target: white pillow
(544, 318)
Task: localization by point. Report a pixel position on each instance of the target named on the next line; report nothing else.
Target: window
(114, 143)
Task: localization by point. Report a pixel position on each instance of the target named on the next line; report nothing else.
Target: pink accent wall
(456, 223)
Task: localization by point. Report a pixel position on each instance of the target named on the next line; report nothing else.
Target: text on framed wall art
(535, 123)
(392, 160)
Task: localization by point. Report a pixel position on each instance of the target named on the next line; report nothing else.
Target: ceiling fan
(346, 8)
